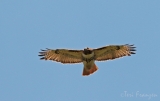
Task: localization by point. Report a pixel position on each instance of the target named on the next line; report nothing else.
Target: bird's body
(88, 56)
(89, 63)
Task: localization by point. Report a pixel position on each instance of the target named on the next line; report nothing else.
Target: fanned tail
(88, 72)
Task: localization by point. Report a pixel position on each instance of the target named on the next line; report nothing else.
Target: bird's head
(87, 51)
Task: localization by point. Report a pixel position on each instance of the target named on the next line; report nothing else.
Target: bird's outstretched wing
(113, 51)
(62, 55)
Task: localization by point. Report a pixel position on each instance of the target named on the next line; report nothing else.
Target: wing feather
(113, 52)
(62, 55)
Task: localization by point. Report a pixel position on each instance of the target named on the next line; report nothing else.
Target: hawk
(88, 56)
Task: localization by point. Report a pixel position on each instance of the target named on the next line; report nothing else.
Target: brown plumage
(88, 56)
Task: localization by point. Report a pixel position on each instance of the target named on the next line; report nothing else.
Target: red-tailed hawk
(88, 56)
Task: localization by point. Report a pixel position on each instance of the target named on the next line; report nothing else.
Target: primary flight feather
(88, 56)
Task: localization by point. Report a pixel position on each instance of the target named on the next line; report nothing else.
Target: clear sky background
(26, 26)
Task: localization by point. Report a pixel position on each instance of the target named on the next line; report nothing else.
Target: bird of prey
(88, 56)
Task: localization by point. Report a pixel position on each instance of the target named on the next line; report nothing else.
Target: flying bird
(88, 56)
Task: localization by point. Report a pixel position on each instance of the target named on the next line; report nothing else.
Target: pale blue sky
(26, 26)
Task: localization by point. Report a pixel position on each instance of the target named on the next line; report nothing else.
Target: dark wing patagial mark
(57, 51)
(101, 48)
(117, 47)
(73, 50)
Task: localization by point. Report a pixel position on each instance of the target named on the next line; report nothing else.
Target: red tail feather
(90, 71)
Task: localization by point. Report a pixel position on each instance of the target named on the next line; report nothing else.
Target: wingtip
(43, 50)
(43, 58)
(40, 55)
(133, 50)
(133, 53)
